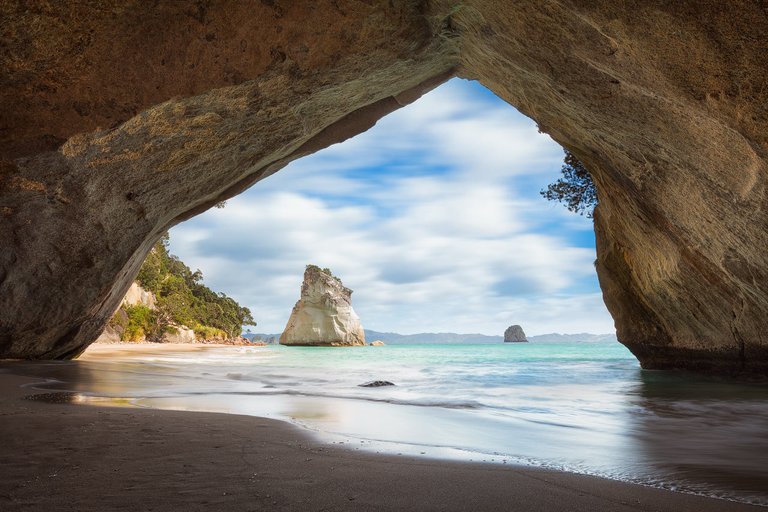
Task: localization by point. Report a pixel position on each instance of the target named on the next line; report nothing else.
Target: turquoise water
(580, 407)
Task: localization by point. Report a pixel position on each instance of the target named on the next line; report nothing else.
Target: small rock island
(514, 334)
(323, 315)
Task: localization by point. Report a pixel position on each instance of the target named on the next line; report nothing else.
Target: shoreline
(214, 343)
(59, 456)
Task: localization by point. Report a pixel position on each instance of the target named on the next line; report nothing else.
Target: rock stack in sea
(514, 334)
(323, 315)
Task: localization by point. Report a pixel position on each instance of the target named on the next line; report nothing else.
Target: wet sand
(60, 456)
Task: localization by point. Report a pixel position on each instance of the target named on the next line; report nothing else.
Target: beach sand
(61, 456)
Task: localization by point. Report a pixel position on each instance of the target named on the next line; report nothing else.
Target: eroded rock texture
(121, 119)
(323, 315)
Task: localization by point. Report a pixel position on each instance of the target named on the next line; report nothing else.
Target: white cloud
(422, 216)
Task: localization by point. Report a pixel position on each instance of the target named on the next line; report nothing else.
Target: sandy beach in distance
(61, 456)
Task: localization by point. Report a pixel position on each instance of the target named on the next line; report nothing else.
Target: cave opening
(433, 217)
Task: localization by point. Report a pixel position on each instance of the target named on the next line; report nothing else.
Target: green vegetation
(142, 323)
(205, 332)
(575, 189)
(325, 270)
(182, 299)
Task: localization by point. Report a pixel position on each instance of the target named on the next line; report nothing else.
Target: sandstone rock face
(377, 343)
(323, 316)
(138, 295)
(183, 334)
(514, 334)
(120, 119)
(109, 335)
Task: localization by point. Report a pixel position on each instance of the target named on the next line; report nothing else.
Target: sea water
(579, 407)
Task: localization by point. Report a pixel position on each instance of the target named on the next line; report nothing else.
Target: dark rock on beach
(376, 384)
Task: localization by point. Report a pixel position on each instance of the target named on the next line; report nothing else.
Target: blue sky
(433, 217)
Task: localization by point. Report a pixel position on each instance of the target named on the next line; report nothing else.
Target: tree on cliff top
(182, 298)
(575, 188)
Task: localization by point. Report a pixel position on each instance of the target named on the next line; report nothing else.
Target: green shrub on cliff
(142, 323)
(575, 188)
(325, 270)
(205, 332)
(183, 299)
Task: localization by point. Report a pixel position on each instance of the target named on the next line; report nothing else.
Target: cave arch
(433, 217)
(120, 120)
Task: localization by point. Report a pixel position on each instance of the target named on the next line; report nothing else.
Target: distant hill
(260, 336)
(393, 338)
(452, 337)
(583, 337)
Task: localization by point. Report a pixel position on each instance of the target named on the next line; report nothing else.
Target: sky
(433, 217)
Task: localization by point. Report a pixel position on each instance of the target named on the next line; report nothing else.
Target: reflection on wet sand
(705, 433)
(309, 410)
(65, 397)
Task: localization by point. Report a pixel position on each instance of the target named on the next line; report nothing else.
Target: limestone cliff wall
(137, 295)
(323, 315)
